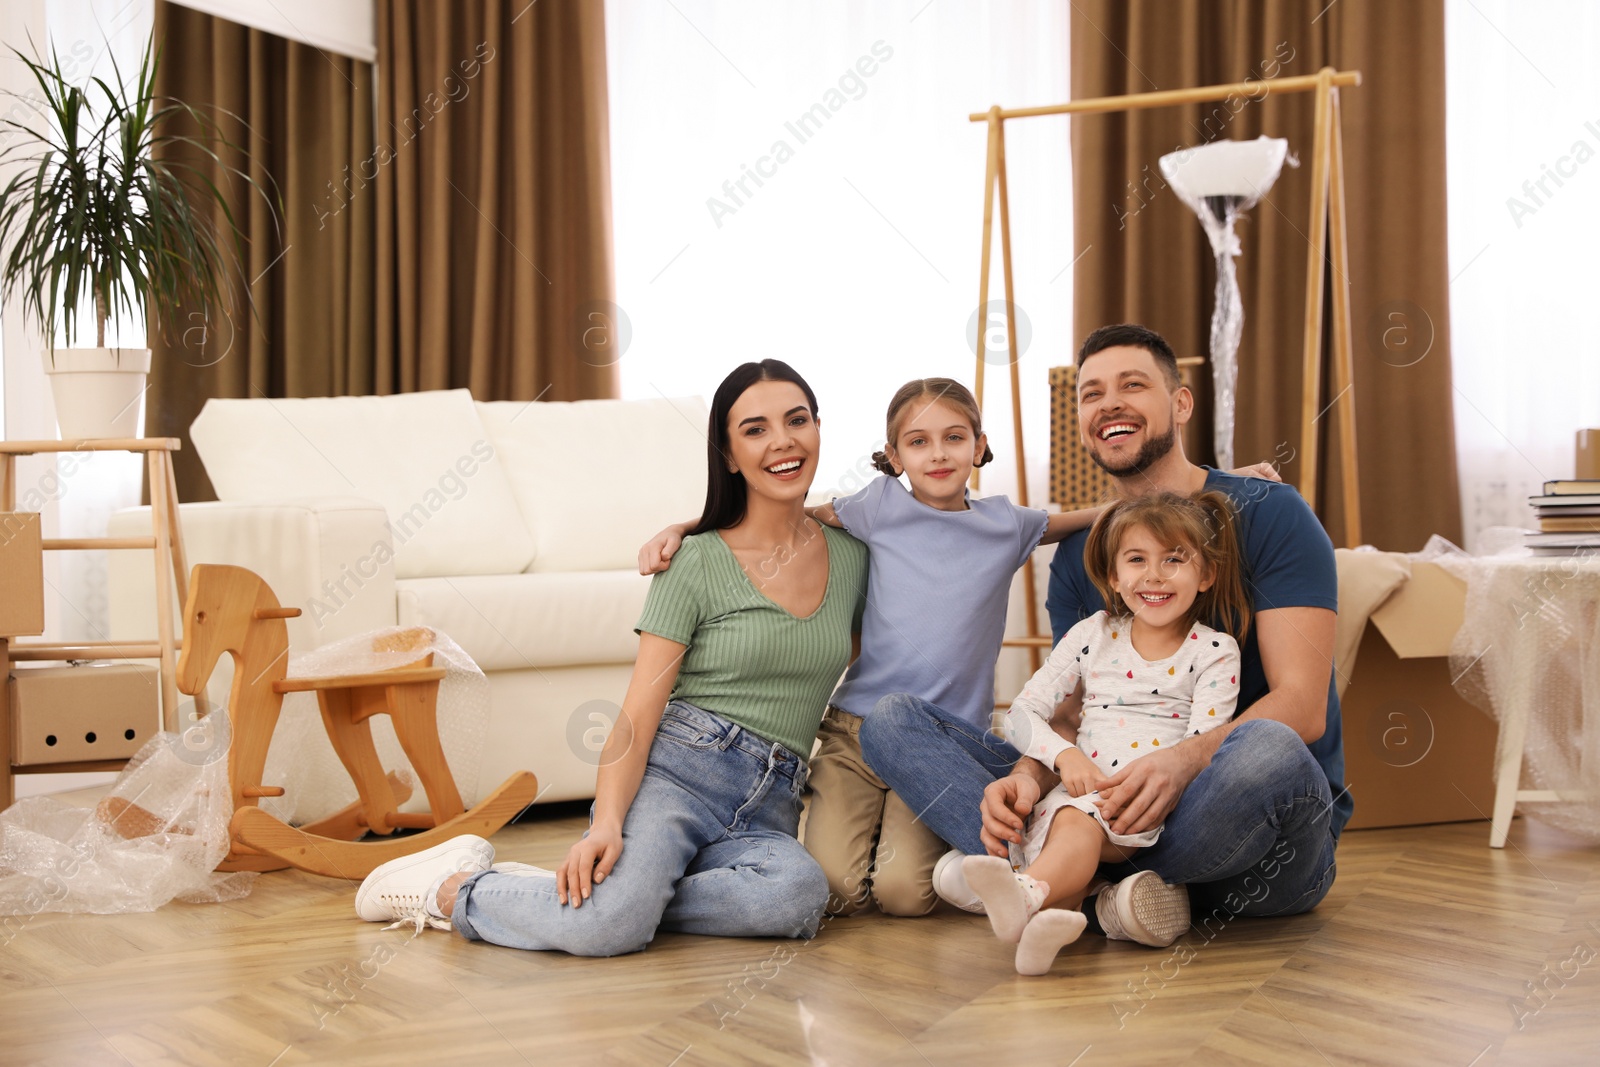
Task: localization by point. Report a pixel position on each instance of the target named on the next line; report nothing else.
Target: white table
(1552, 605)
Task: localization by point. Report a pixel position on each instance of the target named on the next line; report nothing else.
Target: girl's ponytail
(1227, 601)
(880, 460)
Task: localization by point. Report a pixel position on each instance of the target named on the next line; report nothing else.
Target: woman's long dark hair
(725, 489)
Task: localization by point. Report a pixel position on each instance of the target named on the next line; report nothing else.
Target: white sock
(430, 899)
(1046, 934)
(1010, 899)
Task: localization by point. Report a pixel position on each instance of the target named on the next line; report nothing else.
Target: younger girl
(1152, 674)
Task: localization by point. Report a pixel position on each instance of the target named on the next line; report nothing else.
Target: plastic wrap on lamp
(1219, 181)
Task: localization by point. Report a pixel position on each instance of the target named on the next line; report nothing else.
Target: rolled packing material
(1587, 460)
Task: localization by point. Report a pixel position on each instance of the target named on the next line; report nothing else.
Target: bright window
(801, 181)
(1523, 95)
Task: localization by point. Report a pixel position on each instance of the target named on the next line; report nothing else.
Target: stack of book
(1569, 519)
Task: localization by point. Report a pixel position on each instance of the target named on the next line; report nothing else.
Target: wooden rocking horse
(232, 610)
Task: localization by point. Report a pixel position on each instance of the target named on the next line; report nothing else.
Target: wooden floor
(1431, 949)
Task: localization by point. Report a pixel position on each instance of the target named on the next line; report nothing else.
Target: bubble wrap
(1531, 639)
(302, 759)
(163, 827)
(154, 838)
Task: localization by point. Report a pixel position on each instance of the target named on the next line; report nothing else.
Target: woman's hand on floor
(588, 862)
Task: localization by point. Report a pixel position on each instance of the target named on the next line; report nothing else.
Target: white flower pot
(99, 391)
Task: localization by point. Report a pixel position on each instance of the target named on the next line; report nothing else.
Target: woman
(697, 803)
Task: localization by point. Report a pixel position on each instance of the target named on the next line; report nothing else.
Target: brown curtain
(1150, 261)
(494, 218)
(301, 123)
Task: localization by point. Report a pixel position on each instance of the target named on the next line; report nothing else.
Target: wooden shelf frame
(171, 575)
(1329, 240)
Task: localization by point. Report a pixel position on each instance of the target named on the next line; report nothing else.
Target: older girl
(942, 567)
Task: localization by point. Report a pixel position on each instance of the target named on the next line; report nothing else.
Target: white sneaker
(1145, 909)
(406, 890)
(950, 884)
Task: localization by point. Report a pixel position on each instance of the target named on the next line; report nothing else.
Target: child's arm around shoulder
(1061, 524)
(656, 554)
(825, 514)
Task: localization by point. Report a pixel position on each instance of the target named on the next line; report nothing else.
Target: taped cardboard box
(1415, 751)
(100, 711)
(21, 574)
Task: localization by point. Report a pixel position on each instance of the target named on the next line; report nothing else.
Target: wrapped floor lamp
(1220, 181)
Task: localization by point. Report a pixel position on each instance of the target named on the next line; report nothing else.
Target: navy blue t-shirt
(1288, 563)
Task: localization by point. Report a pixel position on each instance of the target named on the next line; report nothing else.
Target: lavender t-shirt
(936, 597)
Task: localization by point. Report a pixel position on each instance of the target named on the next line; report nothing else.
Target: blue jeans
(1250, 836)
(708, 847)
(938, 765)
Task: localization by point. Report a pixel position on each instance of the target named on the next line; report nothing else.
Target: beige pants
(868, 842)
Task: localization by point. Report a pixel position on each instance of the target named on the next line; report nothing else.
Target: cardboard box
(21, 574)
(98, 711)
(1415, 751)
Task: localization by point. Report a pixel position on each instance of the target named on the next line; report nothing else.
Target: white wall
(856, 258)
(1523, 159)
(348, 27)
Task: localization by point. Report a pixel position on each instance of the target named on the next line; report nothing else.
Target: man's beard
(1154, 449)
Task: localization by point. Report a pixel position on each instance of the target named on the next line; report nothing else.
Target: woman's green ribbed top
(748, 659)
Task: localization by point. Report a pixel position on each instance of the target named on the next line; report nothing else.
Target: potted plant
(98, 212)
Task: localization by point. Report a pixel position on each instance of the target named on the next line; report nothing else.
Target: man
(1252, 810)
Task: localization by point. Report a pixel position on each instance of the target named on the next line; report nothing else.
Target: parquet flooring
(1431, 949)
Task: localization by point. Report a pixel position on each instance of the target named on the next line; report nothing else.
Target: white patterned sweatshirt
(1131, 706)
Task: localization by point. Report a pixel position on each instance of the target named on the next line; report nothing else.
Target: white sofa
(512, 527)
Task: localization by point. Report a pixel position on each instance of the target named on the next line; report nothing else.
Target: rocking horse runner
(232, 610)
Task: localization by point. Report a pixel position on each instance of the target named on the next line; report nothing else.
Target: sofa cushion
(424, 456)
(516, 621)
(328, 556)
(597, 478)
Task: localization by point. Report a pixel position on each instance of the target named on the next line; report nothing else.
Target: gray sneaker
(1145, 909)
